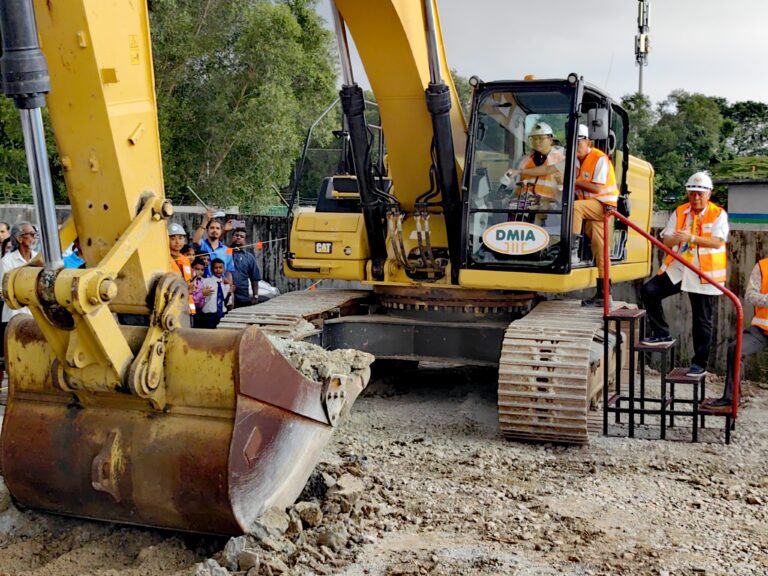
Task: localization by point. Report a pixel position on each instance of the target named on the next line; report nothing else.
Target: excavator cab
(523, 223)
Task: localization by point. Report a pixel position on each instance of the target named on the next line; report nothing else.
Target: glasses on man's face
(239, 236)
(696, 193)
(33, 234)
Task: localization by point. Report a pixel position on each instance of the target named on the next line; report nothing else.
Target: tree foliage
(745, 128)
(463, 91)
(688, 132)
(237, 84)
(14, 174)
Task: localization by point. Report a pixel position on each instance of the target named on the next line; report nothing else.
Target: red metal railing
(697, 271)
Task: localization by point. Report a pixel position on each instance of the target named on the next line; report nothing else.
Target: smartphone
(238, 224)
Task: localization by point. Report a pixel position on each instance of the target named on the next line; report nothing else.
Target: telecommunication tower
(642, 45)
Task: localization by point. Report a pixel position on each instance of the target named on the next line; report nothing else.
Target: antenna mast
(642, 45)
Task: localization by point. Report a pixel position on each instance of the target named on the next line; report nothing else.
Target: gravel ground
(418, 481)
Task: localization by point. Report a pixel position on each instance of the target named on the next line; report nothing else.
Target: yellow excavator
(117, 411)
(464, 265)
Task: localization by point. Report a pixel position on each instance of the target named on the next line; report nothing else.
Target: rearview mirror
(597, 122)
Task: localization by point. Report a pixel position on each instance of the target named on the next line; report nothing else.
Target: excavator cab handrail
(736, 302)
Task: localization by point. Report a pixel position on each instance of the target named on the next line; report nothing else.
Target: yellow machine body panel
(104, 114)
(640, 186)
(327, 243)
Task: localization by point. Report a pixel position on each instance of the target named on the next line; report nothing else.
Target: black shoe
(656, 340)
(719, 403)
(695, 370)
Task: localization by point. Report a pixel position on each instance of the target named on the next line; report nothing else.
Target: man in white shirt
(698, 232)
(25, 236)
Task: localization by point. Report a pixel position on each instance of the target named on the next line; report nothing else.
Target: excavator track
(295, 315)
(546, 373)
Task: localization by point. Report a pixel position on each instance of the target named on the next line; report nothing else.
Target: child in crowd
(205, 257)
(217, 302)
(189, 251)
(197, 290)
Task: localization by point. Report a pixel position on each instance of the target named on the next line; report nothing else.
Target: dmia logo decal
(516, 238)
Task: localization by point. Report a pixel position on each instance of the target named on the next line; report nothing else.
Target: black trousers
(753, 340)
(207, 320)
(702, 305)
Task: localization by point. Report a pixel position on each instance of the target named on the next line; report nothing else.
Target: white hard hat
(541, 129)
(699, 182)
(583, 131)
(175, 229)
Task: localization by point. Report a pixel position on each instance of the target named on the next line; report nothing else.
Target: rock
(295, 526)
(248, 559)
(279, 544)
(348, 485)
(231, 550)
(329, 480)
(310, 513)
(274, 522)
(274, 566)
(210, 568)
(333, 539)
(317, 486)
(752, 499)
(311, 551)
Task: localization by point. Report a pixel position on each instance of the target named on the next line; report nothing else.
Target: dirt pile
(316, 363)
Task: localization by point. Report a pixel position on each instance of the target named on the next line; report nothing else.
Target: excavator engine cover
(241, 432)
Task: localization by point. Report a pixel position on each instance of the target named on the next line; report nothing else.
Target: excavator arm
(155, 424)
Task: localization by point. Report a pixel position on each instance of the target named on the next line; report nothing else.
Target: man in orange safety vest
(753, 339)
(698, 232)
(596, 193)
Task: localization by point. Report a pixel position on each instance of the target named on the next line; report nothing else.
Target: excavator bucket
(241, 432)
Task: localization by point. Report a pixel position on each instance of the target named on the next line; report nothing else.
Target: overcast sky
(707, 46)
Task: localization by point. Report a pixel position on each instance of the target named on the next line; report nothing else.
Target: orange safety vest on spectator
(183, 268)
(713, 261)
(542, 185)
(761, 312)
(609, 192)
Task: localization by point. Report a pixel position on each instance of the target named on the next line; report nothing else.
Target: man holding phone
(247, 273)
(208, 237)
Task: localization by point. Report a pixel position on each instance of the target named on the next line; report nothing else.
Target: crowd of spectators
(220, 276)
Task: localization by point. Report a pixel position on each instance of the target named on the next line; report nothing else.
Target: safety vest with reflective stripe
(761, 312)
(713, 261)
(182, 267)
(609, 192)
(542, 185)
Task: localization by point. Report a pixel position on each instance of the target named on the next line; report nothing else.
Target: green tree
(745, 128)
(14, 175)
(641, 119)
(463, 90)
(685, 138)
(237, 85)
